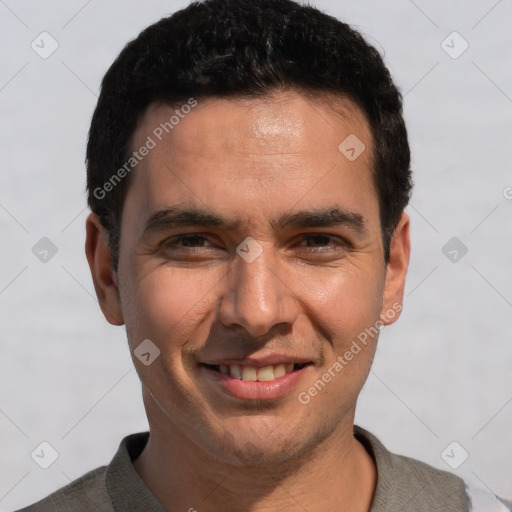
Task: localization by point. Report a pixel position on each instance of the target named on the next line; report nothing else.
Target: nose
(258, 296)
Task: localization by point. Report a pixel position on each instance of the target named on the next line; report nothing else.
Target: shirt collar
(126, 488)
(129, 493)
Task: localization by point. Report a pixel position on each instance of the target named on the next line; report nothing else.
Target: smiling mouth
(253, 374)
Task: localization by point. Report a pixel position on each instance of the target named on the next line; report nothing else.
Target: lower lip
(256, 390)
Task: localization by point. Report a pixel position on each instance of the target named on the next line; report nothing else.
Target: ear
(396, 270)
(103, 276)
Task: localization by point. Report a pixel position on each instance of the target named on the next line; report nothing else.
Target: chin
(249, 448)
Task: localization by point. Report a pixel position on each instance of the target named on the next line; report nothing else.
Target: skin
(309, 294)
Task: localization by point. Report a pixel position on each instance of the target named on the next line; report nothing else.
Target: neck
(184, 477)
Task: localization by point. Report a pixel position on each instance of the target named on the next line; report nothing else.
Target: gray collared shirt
(403, 484)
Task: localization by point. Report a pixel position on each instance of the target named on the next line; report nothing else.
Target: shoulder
(86, 494)
(106, 489)
(446, 485)
(404, 483)
(409, 484)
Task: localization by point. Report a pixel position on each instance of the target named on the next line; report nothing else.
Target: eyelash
(321, 235)
(183, 237)
(174, 241)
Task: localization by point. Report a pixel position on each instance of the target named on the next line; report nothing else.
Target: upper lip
(259, 361)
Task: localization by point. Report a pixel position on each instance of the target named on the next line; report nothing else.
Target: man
(248, 170)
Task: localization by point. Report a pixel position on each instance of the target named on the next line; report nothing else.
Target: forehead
(304, 124)
(256, 149)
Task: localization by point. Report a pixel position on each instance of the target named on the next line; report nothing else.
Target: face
(251, 257)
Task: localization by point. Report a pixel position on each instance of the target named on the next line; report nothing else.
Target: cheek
(344, 302)
(166, 305)
(169, 308)
(346, 309)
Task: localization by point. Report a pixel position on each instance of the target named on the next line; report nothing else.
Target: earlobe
(102, 272)
(396, 271)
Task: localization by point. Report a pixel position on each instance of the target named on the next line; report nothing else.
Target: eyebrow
(183, 217)
(325, 217)
(173, 217)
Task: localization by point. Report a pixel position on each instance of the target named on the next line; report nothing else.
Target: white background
(442, 373)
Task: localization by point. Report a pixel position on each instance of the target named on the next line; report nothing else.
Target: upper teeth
(250, 373)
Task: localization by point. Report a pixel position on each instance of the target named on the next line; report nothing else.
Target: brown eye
(191, 240)
(191, 248)
(317, 240)
(320, 247)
